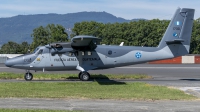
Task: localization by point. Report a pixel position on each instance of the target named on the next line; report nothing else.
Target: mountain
(19, 28)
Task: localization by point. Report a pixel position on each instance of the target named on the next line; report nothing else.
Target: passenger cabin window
(89, 53)
(83, 53)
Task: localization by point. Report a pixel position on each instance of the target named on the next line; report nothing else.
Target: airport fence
(4, 57)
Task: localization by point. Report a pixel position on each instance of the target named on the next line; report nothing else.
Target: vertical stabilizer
(179, 30)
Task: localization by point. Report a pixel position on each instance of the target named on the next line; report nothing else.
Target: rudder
(179, 30)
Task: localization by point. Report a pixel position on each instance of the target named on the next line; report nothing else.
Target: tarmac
(101, 105)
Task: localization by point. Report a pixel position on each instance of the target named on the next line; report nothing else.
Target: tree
(25, 47)
(87, 28)
(15, 48)
(194, 45)
(50, 33)
(10, 48)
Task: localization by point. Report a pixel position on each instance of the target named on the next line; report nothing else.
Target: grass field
(87, 90)
(91, 90)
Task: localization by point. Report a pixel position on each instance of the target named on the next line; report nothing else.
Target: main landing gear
(84, 76)
(28, 76)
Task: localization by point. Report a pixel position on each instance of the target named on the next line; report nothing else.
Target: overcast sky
(128, 9)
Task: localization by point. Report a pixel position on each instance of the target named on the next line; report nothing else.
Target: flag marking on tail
(178, 23)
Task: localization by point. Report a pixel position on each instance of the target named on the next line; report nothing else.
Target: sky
(127, 9)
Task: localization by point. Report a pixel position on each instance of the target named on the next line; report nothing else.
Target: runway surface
(185, 77)
(101, 105)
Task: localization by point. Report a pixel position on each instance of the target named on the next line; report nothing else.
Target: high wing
(78, 43)
(85, 43)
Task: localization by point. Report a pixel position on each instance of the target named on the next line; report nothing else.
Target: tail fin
(179, 32)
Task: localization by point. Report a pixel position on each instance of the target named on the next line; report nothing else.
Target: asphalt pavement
(101, 105)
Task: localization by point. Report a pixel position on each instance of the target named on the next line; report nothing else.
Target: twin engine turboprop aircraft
(85, 52)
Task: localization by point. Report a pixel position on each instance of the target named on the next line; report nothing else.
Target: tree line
(136, 33)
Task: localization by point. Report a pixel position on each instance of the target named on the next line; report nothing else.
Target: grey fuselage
(102, 57)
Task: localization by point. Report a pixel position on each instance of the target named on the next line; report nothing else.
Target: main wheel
(28, 76)
(79, 75)
(84, 76)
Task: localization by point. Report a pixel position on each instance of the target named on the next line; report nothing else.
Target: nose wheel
(28, 76)
(84, 76)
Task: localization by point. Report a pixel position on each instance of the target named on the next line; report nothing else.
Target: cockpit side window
(70, 54)
(40, 51)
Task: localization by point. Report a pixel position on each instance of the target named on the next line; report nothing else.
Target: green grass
(45, 76)
(91, 90)
(34, 110)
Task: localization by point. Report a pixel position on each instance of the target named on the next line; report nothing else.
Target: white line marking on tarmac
(4, 67)
(190, 88)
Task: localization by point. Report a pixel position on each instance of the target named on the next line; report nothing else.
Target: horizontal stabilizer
(175, 41)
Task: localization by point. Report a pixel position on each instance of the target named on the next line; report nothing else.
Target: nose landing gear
(28, 76)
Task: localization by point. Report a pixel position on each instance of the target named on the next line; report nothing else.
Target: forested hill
(19, 28)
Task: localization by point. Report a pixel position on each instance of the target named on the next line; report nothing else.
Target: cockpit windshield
(36, 49)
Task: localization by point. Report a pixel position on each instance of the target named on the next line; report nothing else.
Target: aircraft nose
(13, 61)
(19, 61)
(9, 63)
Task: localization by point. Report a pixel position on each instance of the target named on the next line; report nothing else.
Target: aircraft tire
(79, 75)
(84, 76)
(28, 76)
